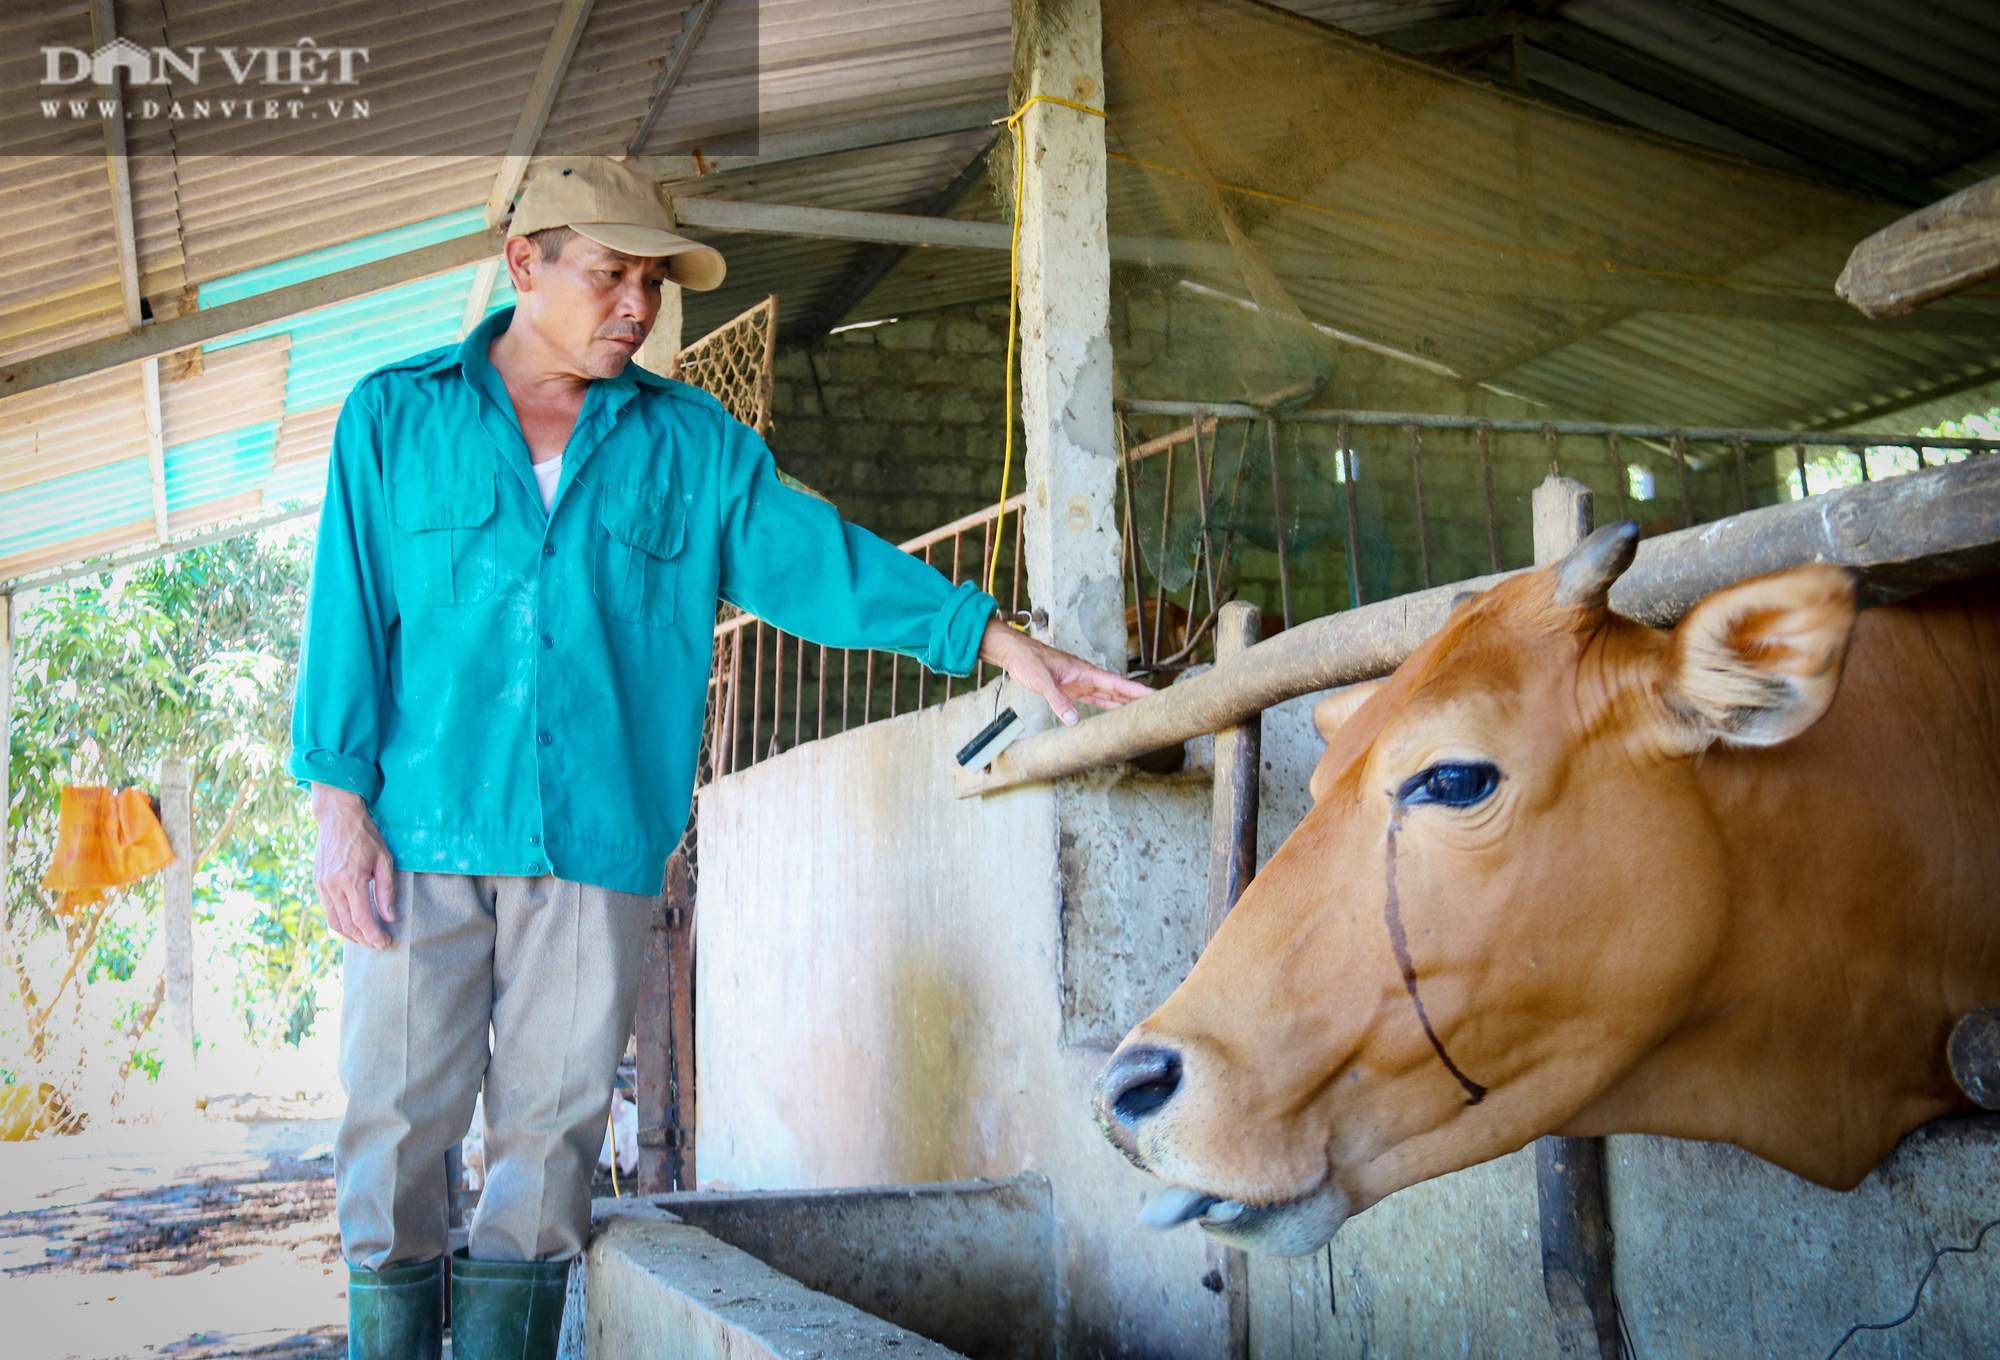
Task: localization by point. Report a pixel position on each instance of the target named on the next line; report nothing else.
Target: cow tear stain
(1392, 917)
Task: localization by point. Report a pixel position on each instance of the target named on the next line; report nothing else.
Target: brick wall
(899, 425)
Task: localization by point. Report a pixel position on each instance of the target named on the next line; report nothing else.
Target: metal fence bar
(1681, 470)
(1799, 457)
(1589, 428)
(923, 674)
(1277, 523)
(757, 694)
(1020, 528)
(1417, 478)
(1348, 467)
(1486, 476)
(1617, 475)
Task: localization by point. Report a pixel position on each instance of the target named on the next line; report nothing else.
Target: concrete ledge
(967, 1263)
(665, 1290)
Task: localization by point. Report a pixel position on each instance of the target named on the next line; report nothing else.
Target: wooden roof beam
(563, 38)
(862, 135)
(694, 22)
(233, 318)
(103, 29)
(1932, 253)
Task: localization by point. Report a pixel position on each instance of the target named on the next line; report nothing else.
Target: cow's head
(1505, 893)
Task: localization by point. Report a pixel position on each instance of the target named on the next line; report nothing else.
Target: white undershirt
(547, 474)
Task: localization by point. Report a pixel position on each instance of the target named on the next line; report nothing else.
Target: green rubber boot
(506, 1310)
(396, 1314)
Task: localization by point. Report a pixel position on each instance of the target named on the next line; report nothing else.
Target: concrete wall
(880, 1000)
(897, 986)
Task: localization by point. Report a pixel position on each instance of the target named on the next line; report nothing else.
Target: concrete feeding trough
(961, 1268)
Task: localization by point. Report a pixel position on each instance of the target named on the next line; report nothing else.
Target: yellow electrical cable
(1013, 122)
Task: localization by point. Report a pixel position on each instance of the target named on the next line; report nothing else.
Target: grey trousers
(552, 968)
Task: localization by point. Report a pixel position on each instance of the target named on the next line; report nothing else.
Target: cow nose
(1139, 1082)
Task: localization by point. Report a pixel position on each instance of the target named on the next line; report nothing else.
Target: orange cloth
(104, 840)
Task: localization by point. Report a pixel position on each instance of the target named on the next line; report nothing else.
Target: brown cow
(1565, 873)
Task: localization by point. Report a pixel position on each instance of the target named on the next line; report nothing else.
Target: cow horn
(1592, 565)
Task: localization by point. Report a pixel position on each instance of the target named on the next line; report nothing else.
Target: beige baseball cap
(620, 208)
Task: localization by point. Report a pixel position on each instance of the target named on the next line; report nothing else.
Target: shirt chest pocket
(445, 551)
(638, 555)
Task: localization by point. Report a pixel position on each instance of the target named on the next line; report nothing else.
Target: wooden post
(177, 902)
(1232, 836)
(6, 752)
(666, 1041)
(1569, 1172)
(1232, 862)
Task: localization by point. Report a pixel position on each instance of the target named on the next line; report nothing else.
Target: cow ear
(1336, 708)
(1328, 714)
(1758, 663)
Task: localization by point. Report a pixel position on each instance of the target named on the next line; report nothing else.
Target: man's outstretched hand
(1062, 679)
(349, 858)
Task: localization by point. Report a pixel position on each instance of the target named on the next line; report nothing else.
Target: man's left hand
(1062, 679)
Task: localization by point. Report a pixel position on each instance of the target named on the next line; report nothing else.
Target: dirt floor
(212, 1240)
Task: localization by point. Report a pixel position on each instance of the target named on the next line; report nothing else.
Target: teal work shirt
(519, 692)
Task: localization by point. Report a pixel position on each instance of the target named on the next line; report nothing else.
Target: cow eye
(1454, 784)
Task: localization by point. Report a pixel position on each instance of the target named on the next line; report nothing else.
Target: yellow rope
(1013, 121)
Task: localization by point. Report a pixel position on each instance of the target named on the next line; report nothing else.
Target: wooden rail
(1939, 524)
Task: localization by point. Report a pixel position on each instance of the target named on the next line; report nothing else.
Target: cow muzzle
(1136, 1089)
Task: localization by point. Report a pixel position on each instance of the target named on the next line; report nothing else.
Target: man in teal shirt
(500, 703)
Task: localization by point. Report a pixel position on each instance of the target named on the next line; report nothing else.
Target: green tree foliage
(197, 654)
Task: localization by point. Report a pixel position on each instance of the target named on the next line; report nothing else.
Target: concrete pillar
(1072, 541)
(656, 355)
(177, 902)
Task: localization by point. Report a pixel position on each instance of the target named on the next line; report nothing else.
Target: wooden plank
(6, 751)
(1576, 1247)
(1232, 861)
(841, 224)
(652, 1041)
(232, 318)
(1569, 1172)
(694, 23)
(156, 444)
(1932, 253)
(680, 974)
(563, 38)
(1232, 837)
(177, 922)
(665, 1040)
(103, 30)
(862, 135)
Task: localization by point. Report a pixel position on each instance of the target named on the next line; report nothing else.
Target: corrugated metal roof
(233, 209)
(1476, 222)
(218, 206)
